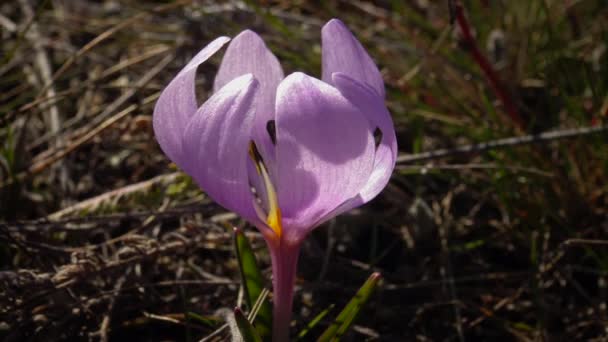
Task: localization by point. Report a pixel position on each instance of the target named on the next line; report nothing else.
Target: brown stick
(501, 143)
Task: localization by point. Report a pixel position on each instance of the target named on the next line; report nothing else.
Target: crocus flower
(286, 153)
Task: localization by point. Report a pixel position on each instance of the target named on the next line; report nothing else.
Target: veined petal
(374, 109)
(247, 54)
(216, 142)
(366, 99)
(177, 103)
(325, 151)
(342, 52)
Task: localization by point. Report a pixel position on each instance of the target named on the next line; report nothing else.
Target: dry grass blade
(42, 165)
(92, 203)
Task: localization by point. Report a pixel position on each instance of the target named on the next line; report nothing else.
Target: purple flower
(286, 153)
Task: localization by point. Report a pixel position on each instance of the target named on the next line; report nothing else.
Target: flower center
(273, 218)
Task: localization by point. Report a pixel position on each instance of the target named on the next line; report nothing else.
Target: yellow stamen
(274, 213)
(273, 220)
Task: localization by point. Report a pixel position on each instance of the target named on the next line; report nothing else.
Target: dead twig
(474, 166)
(572, 242)
(502, 143)
(71, 224)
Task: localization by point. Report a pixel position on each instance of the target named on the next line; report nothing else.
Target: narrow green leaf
(314, 322)
(211, 321)
(348, 315)
(248, 332)
(253, 282)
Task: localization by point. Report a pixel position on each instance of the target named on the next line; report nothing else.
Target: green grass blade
(348, 315)
(253, 282)
(314, 322)
(210, 321)
(248, 332)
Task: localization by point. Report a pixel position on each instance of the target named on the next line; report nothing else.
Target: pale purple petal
(177, 103)
(216, 142)
(342, 52)
(325, 151)
(248, 54)
(362, 96)
(376, 112)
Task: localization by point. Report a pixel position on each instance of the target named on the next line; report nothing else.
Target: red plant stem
(284, 266)
(486, 67)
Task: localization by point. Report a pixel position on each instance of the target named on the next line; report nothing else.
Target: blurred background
(102, 238)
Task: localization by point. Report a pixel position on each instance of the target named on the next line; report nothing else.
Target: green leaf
(348, 315)
(211, 321)
(314, 322)
(253, 282)
(248, 332)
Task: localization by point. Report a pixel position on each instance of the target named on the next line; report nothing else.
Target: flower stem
(284, 267)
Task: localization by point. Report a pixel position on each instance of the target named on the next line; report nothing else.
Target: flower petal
(177, 103)
(216, 142)
(362, 96)
(366, 99)
(325, 151)
(342, 52)
(247, 54)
